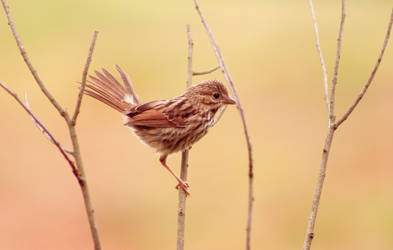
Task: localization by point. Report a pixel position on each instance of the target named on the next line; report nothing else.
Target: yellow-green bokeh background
(270, 50)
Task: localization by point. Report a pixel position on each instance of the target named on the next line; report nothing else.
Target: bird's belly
(171, 140)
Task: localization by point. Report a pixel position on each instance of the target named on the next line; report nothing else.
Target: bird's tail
(105, 88)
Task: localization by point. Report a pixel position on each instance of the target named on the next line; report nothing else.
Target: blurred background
(269, 48)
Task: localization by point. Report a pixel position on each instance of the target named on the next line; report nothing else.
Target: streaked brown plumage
(168, 126)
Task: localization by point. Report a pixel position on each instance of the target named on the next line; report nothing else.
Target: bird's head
(211, 93)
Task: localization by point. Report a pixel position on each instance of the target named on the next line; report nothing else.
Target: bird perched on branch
(168, 126)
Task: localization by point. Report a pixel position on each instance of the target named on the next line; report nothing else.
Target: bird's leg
(182, 183)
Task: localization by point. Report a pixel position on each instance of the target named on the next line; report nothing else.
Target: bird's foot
(184, 185)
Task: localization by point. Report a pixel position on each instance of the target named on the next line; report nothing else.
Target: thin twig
(336, 66)
(84, 76)
(42, 128)
(190, 73)
(227, 76)
(219, 115)
(318, 44)
(206, 71)
(30, 65)
(27, 104)
(333, 126)
(370, 79)
(181, 212)
(39, 126)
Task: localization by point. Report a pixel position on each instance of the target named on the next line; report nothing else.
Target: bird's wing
(152, 114)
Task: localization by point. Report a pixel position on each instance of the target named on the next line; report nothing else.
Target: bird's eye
(216, 95)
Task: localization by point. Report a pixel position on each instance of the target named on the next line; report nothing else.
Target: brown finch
(170, 125)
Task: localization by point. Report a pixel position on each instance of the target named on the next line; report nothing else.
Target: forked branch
(333, 125)
(77, 167)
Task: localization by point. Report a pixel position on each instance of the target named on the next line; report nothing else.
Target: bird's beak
(229, 100)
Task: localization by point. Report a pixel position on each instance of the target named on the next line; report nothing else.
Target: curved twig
(206, 71)
(228, 78)
(370, 79)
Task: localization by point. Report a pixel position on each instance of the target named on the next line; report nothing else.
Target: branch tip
(84, 77)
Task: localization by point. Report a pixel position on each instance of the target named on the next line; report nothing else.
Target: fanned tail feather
(105, 88)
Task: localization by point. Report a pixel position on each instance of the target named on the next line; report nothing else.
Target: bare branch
(128, 83)
(78, 169)
(206, 71)
(30, 65)
(318, 44)
(318, 189)
(84, 76)
(44, 130)
(181, 212)
(227, 76)
(83, 185)
(333, 126)
(328, 142)
(336, 66)
(190, 73)
(370, 79)
(78, 156)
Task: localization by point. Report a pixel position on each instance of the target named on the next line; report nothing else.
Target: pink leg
(182, 183)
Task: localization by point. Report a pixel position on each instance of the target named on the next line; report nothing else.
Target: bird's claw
(184, 185)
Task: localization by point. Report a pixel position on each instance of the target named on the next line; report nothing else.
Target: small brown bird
(168, 126)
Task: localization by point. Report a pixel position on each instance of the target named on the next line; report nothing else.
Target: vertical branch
(333, 126)
(336, 66)
(78, 156)
(181, 213)
(329, 137)
(318, 189)
(228, 78)
(190, 73)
